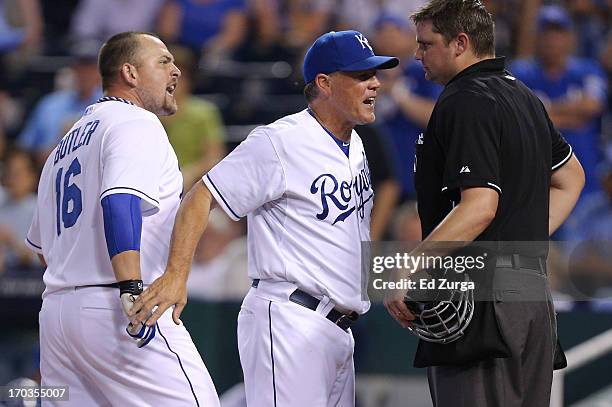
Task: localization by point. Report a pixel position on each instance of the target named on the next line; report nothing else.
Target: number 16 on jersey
(68, 199)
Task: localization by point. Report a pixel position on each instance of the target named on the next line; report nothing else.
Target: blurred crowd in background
(241, 67)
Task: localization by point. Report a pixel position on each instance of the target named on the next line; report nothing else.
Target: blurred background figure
(507, 13)
(20, 273)
(303, 21)
(196, 131)
(591, 23)
(590, 232)
(212, 29)
(219, 270)
(283, 29)
(606, 62)
(407, 98)
(19, 181)
(574, 90)
(362, 15)
(55, 113)
(382, 166)
(21, 25)
(406, 223)
(21, 28)
(99, 20)
(593, 219)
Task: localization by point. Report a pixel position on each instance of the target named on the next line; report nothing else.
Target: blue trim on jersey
(272, 350)
(343, 146)
(114, 99)
(30, 242)
(180, 364)
(131, 189)
(222, 198)
(122, 223)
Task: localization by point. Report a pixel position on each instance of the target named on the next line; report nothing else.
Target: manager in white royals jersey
(304, 184)
(107, 200)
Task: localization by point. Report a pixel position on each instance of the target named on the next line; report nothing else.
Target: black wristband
(133, 287)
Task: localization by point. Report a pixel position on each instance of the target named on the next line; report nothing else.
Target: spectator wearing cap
(572, 89)
(407, 100)
(55, 113)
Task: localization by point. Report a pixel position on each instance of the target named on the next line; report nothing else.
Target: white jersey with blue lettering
(308, 207)
(115, 147)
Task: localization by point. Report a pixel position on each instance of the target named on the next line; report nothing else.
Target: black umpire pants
(526, 318)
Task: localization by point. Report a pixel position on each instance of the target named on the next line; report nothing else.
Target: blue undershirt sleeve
(122, 223)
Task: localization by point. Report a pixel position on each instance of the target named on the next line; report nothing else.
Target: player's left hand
(166, 291)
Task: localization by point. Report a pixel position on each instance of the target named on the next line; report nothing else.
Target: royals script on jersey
(115, 147)
(308, 206)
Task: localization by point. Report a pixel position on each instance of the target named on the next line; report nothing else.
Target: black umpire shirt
(489, 130)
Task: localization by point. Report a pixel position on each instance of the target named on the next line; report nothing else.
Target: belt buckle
(345, 321)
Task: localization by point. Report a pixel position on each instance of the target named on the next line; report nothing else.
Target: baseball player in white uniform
(304, 184)
(107, 200)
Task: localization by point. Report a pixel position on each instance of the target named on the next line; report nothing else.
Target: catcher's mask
(445, 319)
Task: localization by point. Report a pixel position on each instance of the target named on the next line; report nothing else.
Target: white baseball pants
(291, 355)
(83, 345)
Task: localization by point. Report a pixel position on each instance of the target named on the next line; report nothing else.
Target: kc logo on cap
(346, 51)
(363, 41)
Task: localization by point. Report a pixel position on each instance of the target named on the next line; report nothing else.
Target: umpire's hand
(394, 302)
(168, 290)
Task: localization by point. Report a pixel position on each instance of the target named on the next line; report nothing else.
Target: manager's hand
(168, 290)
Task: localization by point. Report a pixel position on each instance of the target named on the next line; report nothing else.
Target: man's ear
(129, 74)
(323, 82)
(463, 43)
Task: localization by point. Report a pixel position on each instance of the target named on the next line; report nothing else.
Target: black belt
(304, 299)
(517, 261)
(109, 285)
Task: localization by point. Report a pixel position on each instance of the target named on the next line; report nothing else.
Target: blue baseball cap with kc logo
(345, 51)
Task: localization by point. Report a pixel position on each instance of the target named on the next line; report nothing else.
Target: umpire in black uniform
(490, 167)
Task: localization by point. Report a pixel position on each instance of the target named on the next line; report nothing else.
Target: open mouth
(170, 89)
(371, 101)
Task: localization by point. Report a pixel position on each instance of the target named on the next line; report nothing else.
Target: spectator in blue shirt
(572, 89)
(56, 112)
(407, 99)
(211, 28)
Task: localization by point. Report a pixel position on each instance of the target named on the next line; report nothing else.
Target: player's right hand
(168, 290)
(141, 333)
